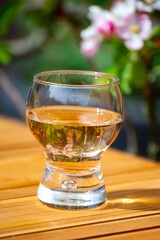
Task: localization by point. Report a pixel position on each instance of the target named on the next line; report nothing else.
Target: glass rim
(78, 72)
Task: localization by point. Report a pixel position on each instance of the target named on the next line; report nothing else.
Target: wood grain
(132, 210)
(119, 226)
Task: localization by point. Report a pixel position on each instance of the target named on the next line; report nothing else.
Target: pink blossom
(136, 29)
(102, 20)
(122, 9)
(102, 26)
(122, 21)
(90, 41)
(105, 27)
(89, 47)
(148, 6)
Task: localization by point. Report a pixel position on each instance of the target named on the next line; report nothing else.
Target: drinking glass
(75, 116)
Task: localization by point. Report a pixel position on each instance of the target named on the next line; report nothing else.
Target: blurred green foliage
(7, 15)
(47, 36)
(5, 56)
(60, 48)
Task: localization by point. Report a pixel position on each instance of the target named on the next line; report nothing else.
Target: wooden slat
(18, 192)
(128, 203)
(21, 167)
(15, 134)
(16, 173)
(87, 229)
(142, 234)
(112, 182)
(132, 207)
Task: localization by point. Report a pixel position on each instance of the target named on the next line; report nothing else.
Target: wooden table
(132, 210)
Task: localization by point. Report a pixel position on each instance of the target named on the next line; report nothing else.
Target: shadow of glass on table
(136, 199)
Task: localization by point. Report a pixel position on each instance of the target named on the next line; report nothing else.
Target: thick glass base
(68, 190)
(71, 200)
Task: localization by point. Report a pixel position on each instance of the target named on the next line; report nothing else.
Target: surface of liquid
(74, 137)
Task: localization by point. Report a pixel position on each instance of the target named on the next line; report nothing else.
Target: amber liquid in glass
(74, 137)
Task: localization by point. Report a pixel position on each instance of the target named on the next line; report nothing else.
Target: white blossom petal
(107, 15)
(142, 7)
(156, 5)
(90, 32)
(89, 47)
(145, 25)
(94, 12)
(121, 10)
(123, 32)
(134, 42)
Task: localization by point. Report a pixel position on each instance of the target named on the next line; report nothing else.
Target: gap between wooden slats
(114, 191)
(28, 214)
(146, 234)
(86, 229)
(27, 172)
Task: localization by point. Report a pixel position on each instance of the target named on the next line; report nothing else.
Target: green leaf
(156, 31)
(105, 56)
(8, 14)
(126, 78)
(126, 88)
(134, 73)
(139, 73)
(156, 60)
(51, 4)
(5, 56)
(112, 71)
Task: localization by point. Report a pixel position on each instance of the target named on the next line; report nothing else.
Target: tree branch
(12, 93)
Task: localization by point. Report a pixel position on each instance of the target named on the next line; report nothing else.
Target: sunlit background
(42, 35)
